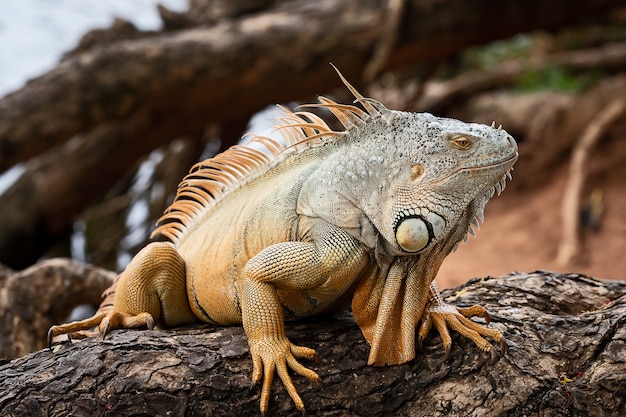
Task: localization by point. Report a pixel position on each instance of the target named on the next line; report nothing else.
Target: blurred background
(34, 34)
(105, 105)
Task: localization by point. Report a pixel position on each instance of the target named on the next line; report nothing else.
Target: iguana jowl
(269, 232)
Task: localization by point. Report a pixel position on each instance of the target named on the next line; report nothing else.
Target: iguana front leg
(443, 315)
(298, 276)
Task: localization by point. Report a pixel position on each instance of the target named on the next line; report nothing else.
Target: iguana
(269, 231)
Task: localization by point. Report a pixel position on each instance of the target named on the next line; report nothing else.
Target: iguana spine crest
(209, 181)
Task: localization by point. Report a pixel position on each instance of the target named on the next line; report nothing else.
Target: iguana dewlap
(269, 232)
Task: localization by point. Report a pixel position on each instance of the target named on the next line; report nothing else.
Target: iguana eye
(461, 142)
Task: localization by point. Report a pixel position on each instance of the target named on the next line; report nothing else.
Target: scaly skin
(368, 213)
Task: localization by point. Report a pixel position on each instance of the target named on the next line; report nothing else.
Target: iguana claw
(50, 338)
(150, 323)
(427, 324)
(444, 316)
(487, 317)
(446, 356)
(105, 330)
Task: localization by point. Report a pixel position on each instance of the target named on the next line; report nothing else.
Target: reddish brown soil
(522, 230)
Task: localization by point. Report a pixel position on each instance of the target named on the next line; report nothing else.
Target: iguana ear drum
(412, 234)
(415, 233)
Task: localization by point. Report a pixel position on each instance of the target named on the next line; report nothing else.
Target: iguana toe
(105, 322)
(74, 327)
(475, 311)
(272, 356)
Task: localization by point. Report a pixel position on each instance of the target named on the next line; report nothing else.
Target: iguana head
(441, 169)
(411, 178)
(401, 182)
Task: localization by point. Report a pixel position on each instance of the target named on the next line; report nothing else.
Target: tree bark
(566, 343)
(32, 299)
(140, 90)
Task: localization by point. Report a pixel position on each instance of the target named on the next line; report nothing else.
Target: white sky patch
(8, 177)
(136, 223)
(139, 210)
(35, 33)
(264, 122)
(78, 241)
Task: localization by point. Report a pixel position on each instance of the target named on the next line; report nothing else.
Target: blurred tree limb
(123, 93)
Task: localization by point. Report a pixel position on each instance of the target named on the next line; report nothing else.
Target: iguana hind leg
(443, 316)
(151, 290)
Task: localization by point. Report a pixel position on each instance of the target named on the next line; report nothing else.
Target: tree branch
(146, 89)
(199, 75)
(569, 247)
(439, 96)
(565, 335)
(33, 299)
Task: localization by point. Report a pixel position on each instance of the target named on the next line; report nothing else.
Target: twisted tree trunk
(123, 93)
(566, 357)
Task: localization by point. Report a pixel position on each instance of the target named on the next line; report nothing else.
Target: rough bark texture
(566, 357)
(123, 93)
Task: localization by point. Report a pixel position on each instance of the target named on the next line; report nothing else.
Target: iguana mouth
(508, 161)
(495, 165)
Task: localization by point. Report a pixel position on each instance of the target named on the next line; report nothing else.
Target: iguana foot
(105, 323)
(275, 355)
(444, 316)
(151, 290)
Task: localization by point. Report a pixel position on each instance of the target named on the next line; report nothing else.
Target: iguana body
(365, 216)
